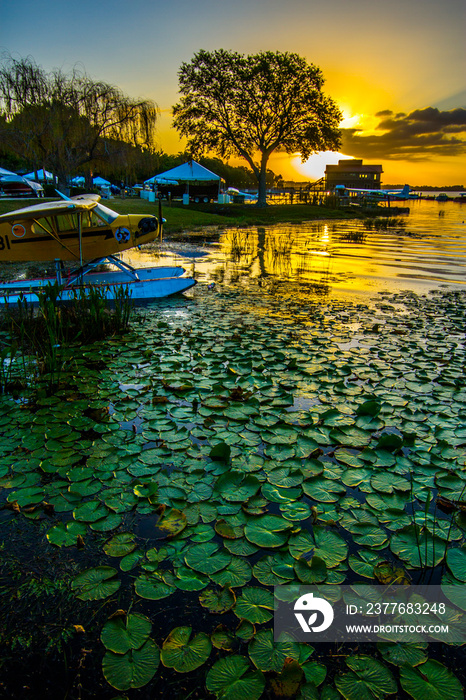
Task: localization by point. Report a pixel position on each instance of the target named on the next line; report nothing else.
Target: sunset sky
(395, 68)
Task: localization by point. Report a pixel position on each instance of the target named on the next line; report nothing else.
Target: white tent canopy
(49, 177)
(98, 181)
(188, 172)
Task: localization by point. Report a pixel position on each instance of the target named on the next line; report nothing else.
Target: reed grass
(384, 223)
(33, 338)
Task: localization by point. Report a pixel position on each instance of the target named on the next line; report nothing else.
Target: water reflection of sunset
(340, 257)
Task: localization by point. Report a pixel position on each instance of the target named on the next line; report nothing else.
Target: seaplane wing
(75, 229)
(48, 209)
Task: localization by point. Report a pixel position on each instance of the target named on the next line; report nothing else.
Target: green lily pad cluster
(132, 657)
(266, 440)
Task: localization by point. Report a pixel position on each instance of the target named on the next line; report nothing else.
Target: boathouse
(353, 173)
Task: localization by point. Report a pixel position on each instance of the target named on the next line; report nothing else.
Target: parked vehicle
(16, 186)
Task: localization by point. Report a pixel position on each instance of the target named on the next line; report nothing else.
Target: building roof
(187, 172)
(348, 166)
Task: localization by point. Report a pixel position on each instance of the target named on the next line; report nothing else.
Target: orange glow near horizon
(314, 167)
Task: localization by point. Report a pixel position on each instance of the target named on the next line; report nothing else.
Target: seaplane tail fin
(405, 190)
(63, 196)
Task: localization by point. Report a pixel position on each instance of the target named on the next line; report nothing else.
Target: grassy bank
(181, 218)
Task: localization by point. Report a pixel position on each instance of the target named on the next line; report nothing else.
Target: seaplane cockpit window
(67, 222)
(70, 221)
(92, 219)
(41, 225)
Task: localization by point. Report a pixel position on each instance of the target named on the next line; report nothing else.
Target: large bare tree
(64, 122)
(253, 105)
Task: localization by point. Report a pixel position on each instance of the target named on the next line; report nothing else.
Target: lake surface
(422, 250)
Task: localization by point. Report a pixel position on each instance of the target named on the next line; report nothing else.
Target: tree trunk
(63, 183)
(262, 193)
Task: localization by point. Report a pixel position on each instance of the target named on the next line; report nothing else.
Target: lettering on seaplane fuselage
(5, 243)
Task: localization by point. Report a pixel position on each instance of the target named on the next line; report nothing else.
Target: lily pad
(66, 535)
(133, 669)
(402, 654)
(152, 588)
(287, 682)
(236, 486)
(269, 531)
(183, 652)
(171, 522)
(190, 580)
(96, 583)
(268, 655)
(255, 605)
(222, 638)
(231, 678)
(264, 573)
(217, 601)
(311, 571)
(325, 544)
(417, 547)
(367, 680)
(456, 562)
(388, 483)
(363, 562)
(237, 573)
(431, 680)
(386, 572)
(120, 545)
(206, 558)
(90, 512)
(122, 633)
(314, 672)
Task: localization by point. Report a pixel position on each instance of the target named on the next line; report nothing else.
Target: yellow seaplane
(82, 230)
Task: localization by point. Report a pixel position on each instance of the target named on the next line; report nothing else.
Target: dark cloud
(420, 135)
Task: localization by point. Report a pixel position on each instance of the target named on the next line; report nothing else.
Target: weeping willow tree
(67, 122)
(250, 106)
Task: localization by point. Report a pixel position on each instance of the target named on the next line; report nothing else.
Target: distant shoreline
(429, 188)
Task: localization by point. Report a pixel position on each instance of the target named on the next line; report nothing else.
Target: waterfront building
(353, 173)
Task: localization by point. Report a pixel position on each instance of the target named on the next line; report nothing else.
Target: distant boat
(442, 197)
